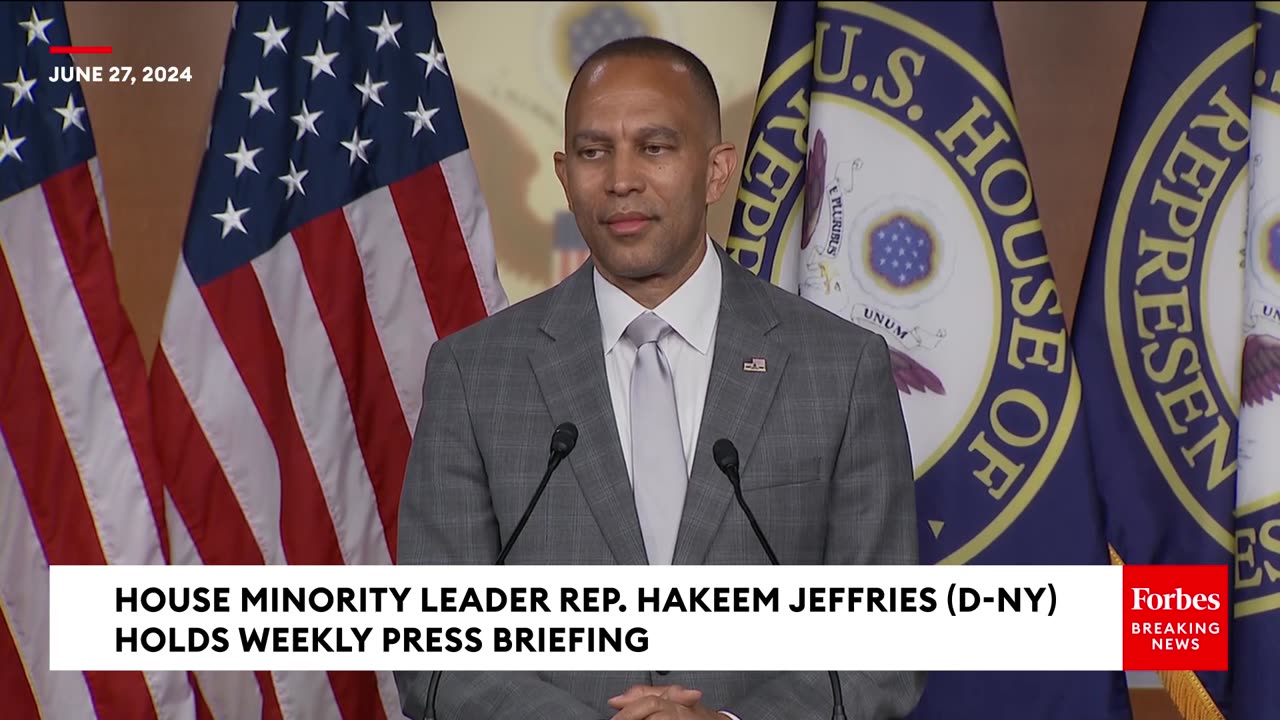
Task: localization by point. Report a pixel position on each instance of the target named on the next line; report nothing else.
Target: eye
(654, 149)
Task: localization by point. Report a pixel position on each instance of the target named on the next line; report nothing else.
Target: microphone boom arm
(552, 463)
(751, 518)
(726, 457)
(563, 440)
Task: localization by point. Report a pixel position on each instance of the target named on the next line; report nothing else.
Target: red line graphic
(80, 49)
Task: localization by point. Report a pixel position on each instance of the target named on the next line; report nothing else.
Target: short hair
(645, 46)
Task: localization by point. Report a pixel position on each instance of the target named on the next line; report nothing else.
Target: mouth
(628, 223)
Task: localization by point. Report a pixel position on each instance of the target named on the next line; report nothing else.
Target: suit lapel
(571, 375)
(736, 405)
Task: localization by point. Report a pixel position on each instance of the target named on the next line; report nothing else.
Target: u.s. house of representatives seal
(1257, 511)
(1189, 292)
(919, 224)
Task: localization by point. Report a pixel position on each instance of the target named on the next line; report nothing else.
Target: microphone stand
(563, 440)
(726, 457)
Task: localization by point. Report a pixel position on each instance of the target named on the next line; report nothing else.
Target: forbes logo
(1175, 617)
(1145, 599)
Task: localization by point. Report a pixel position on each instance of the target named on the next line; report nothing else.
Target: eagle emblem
(1261, 369)
(909, 375)
(816, 172)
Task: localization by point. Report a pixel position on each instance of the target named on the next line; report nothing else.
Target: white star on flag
(259, 98)
(243, 158)
(230, 219)
(386, 32)
(306, 121)
(35, 28)
(369, 90)
(356, 145)
(434, 59)
(332, 8)
(422, 118)
(272, 37)
(293, 180)
(9, 145)
(21, 88)
(70, 114)
(321, 62)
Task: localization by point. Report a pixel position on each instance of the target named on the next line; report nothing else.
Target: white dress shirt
(692, 312)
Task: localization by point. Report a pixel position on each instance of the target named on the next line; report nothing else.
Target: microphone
(726, 457)
(563, 440)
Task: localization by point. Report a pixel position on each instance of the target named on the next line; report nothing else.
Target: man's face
(640, 166)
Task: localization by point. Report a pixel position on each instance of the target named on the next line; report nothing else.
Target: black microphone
(726, 457)
(563, 440)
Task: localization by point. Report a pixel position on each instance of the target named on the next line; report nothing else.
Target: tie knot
(646, 328)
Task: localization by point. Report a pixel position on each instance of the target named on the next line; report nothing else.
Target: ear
(723, 161)
(562, 174)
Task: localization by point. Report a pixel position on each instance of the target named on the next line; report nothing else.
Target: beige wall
(1068, 64)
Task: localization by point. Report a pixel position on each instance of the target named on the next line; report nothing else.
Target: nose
(626, 175)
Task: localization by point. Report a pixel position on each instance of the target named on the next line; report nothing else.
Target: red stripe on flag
(336, 278)
(33, 431)
(15, 687)
(202, 708)
(73, 207)
(270, 703)
(357, 694)
(239, 310)
(197, 484)
(204, 499)
(51, 482)
(439, 250)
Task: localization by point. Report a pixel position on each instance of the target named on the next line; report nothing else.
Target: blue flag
(1255, 637)
(884, 180)
(1158, 329)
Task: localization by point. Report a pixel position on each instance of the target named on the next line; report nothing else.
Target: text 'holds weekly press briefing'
(214, 536)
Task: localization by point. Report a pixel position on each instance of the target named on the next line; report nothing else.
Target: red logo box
(1176, 617)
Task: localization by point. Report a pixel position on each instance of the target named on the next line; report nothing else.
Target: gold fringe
(1184, 688)
(1189, 696)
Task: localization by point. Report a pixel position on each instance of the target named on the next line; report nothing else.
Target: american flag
(568, 249)
(337, 231)
(79, 478)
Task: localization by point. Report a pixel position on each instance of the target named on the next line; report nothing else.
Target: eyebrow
(647, 132)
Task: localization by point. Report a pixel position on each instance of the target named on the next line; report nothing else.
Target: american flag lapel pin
(755, 364)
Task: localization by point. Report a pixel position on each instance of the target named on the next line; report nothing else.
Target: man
(655, 348)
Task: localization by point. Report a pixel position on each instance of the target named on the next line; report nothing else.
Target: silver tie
(657, 451)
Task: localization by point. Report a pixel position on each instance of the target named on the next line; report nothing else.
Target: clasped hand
(662, 702)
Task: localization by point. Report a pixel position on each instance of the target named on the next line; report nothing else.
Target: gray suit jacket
(825, 468)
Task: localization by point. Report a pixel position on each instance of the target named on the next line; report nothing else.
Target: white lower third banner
(586, 618)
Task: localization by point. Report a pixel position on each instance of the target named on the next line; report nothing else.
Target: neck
(651, 291)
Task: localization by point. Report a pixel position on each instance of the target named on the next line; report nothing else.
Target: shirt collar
(691, 310)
